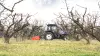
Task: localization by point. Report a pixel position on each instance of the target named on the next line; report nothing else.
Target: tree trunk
(29, 38)
(77, 37)
(88, 41)
(23, 38)
(6, 40)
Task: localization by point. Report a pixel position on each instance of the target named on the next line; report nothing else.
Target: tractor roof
(51, 25)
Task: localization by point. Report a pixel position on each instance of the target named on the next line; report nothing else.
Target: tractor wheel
(64, 38)
(49, 36)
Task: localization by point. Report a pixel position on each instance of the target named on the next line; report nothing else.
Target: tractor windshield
(52, 28)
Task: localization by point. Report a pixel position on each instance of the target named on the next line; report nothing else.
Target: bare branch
(66, 6)
(84, 12)
(5, 7)
(13, 18)
(11, 24)
(2, 12)
(99, 4)
(20, 19)
(11, 10)
(16, 4)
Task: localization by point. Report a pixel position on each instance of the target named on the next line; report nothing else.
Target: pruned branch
(84, 12)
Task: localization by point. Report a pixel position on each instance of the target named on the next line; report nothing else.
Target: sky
(44, 10)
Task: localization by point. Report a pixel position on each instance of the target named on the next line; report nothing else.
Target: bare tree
(81, 24)
(10, 21)
(12, 27)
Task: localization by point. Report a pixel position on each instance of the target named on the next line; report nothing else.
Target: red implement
(36, 38)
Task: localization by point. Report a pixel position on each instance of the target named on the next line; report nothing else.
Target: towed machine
(54, 32)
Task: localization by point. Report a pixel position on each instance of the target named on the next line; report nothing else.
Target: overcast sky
(45, 9)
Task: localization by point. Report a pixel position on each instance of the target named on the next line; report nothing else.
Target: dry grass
(50, 48)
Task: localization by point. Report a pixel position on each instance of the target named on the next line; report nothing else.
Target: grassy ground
(50, 48)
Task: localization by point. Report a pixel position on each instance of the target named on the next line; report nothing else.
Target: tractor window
(48, 28)
(54, 28)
